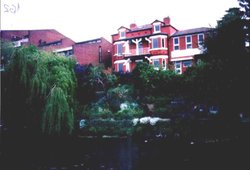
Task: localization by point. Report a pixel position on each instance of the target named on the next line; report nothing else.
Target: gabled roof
(123, 27)
(157, 21)
(192, 31)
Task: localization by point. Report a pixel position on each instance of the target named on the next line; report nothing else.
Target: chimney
(133, 25)
(166, 20)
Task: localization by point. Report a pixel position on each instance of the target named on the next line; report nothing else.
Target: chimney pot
(166, 20)
(132, 26)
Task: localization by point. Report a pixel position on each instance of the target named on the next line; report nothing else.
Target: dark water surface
(35, 153)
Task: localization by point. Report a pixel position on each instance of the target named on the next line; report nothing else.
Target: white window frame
(122, 34)
(188, 44)
(163, 40)
(164, 64)
(157, 43)
(178, 69)
(157, 25)
(200, 41)
(176, 45)
(163, 57)
(119, 54)
(156, 67)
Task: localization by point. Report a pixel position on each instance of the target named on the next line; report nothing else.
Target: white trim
(122, 29)
(119, 61)
(152, 49)
(19, 42)
(158, 57)
(138, 61)
(157, 23)
(190, 43)
(186, 52)
(156, 67)
(149, 41)
(180, 68)
(200, 42)
(174, 45)
(181, 59)
(63, 49)
(163, 57)
(158, 36)
(163, 40)
(119, 42)
(149, 59)
(137, 41)
(120, 34)
(125, 63)
(126, 47)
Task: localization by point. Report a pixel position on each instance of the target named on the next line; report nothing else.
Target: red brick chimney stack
(133, 25)
(166, 20)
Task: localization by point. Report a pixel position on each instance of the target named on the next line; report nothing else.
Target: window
(157, 28)
(100, 54)
(176, 43)
(119, 49)
(164, 64)
(187, 63)
(120, 67)
(162, 42)
(156, 63)
(155, 43)
(140, 48)
(177, 65)
(188, 42)
(122, 34)
(67, 53)
(200, 39)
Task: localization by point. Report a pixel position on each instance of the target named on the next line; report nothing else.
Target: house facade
(47, 39)
(93, 52)
(159, 43)
(88, 52)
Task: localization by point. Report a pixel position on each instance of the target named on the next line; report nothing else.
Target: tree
(227, 61)
(40, 90)
(245, 6)
(149, 81)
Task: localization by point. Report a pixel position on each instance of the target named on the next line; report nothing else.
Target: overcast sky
(82, 20)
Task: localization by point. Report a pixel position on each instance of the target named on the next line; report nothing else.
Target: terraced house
(159, 44)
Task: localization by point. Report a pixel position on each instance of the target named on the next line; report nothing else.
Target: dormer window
(157, 28)
(122, 34)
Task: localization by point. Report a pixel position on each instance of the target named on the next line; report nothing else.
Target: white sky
(82, 20)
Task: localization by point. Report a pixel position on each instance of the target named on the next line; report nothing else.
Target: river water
(122, 154)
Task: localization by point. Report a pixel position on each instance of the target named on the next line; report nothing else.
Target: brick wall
(93, 51)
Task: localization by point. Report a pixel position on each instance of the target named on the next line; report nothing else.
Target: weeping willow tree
(48, 84)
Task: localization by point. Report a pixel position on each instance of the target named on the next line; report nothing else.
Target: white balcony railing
(141, 51)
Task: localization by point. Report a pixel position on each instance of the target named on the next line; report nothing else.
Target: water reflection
(120, 154)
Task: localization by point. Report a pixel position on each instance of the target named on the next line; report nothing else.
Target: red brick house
(93, 52)
(158, 43)
(88, 52)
